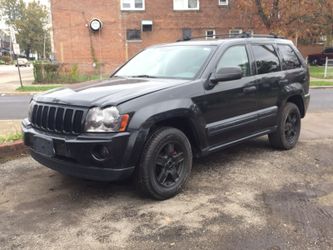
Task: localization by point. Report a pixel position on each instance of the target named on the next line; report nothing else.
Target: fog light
(100, 153)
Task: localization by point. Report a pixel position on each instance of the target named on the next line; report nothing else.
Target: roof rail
(228, 35)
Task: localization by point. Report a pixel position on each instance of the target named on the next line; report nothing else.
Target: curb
(12, 149)
(18, 93)
(321, 87)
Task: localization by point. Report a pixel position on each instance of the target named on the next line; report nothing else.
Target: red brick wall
(310, 49)
(74, 42)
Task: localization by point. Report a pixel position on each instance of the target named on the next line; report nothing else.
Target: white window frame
(223, 4)
(212, 37)
(186, 8)
(132, 8)
(240, 31)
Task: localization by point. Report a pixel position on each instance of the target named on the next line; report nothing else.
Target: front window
(235, 56)
(186, 4)
(183, 62)
(132, 4)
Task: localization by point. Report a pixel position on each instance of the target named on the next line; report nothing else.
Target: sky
(45, 2)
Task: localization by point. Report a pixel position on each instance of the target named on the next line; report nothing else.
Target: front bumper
(80, 156)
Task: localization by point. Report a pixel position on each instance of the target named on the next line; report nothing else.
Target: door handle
(250, 89)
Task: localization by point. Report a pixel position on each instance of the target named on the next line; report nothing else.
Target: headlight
(105, 120)
(31, 109)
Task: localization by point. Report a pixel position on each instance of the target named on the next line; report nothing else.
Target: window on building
(147, 25)
(266, 58)
(289, 57)
(133, 34)
(223, 2)
(186, 4)
(235, 32)
(235, 56)
(187, 34)
(210, 34)
(132, 4)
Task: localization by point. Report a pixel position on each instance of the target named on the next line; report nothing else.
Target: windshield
(182, 62)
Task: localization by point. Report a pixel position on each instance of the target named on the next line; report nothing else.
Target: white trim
(223, 4)
(186, 4)
(132, 8)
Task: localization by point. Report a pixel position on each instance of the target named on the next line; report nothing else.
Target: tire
(289, 128)
(165, 164)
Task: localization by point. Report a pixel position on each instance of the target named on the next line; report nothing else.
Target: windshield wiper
(143, 76)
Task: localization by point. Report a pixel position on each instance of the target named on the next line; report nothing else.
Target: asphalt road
(16, 107)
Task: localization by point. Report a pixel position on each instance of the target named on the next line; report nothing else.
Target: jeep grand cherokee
(168, 104)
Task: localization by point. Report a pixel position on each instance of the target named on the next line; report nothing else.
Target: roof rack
(241, 35)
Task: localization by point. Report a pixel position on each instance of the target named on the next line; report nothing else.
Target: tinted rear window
(289, 57)
(266, 58)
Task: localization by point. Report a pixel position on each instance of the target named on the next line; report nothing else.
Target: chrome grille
(58, 119)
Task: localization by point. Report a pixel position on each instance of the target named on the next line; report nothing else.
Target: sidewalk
(9, 126)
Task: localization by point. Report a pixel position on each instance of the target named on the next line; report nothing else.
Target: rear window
(289, 57)
(266, 58)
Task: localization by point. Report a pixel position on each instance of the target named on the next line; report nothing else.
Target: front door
(231, 106)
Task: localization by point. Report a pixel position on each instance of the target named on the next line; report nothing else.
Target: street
(9, 77)
(16, 107)
(246, 197)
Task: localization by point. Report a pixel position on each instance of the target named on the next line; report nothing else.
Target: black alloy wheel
(165, 164)
(169, 164)
(289, 128)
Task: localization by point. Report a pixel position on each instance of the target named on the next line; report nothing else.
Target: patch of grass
(321, 83)
(319, 71)
(38, 88)
(10, 137)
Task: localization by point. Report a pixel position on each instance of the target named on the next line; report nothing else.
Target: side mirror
(227, 74)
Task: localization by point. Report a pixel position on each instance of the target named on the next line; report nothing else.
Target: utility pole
(44, 46)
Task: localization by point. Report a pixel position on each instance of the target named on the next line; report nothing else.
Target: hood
(108, 92)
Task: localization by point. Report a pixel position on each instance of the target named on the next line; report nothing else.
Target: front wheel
(165, 165)
(289, 128)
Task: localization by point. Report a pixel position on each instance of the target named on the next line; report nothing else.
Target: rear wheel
(165, 165)
(289, 128)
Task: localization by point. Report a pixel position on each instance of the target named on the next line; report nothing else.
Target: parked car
(22, 62)
(320, 59)
(168, 104)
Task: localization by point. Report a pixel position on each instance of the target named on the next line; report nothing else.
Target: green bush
(46, 72)
(6, 59)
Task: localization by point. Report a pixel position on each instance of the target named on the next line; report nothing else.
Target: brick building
(131, 25)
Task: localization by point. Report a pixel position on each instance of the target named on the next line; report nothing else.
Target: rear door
(270, 78)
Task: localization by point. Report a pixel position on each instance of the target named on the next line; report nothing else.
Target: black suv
(168, 104)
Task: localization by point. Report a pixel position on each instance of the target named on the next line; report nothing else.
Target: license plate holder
(43, 146)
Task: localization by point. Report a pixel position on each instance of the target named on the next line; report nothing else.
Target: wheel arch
(299, 102)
